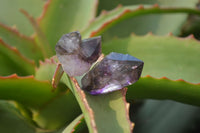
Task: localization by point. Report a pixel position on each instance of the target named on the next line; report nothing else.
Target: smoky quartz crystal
(114, 72)
(76, 55)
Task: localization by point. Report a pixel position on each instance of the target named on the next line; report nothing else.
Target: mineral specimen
(114, 72)
(76, 55)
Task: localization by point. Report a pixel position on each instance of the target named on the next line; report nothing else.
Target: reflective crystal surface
(76, 55)
(114, 72)
(90, 48)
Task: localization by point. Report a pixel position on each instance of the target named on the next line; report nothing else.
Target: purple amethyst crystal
(76, 55)
(114, 72)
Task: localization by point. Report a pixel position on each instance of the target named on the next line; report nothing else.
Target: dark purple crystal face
(76, 55)
(114, 72)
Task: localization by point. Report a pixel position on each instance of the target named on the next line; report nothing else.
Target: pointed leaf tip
(57, 75)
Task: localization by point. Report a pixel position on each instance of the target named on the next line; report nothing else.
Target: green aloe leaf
(26, 45)
(10, 14)
(174, 58)
(46, 69)
(60, 110)
(63, 16)
(103, 113)
(78, 125)
(13, 62)
(11, 120)
(169, 56)
(109, 19)
(105, 5)
(163, 88)
(26, 90)
(39, 94)
(157, 23)
(39, 37)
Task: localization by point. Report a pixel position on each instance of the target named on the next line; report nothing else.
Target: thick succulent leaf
(104, 113)
(167, 117)
(26, 90)
(175, 58)
(78, 125)
(24, 44)
(60, 110)
(105, 5)
(158, 24)
(169, 56)
(40, 96)
(63, 16)
(39, 37)
(10, 15)
(11, 121)
(108, 19)
(46, 69)
(13, 62)
(163, 88)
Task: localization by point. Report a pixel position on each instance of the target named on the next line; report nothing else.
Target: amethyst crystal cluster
(114, 72)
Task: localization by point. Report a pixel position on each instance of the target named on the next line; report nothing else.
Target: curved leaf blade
(109, 19)
(10, 15)
(40, 37)
(13, 62)
(26, 45)
(11, 117)
(58, 112)
(169, 56)
(63, 16)
(174, 58)
(61, 109)
(26, 90)
(104, 113)
(163, 88)
(159, 24)
(77, 126)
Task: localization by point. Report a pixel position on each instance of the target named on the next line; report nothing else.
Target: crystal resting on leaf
(76, 55)
(114, 72)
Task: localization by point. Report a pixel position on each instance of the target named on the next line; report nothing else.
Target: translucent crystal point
(114, 72)
(91, 49)
(76, 55)
(69, 43)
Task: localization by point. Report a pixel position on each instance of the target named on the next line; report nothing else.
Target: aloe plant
(34, 96)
